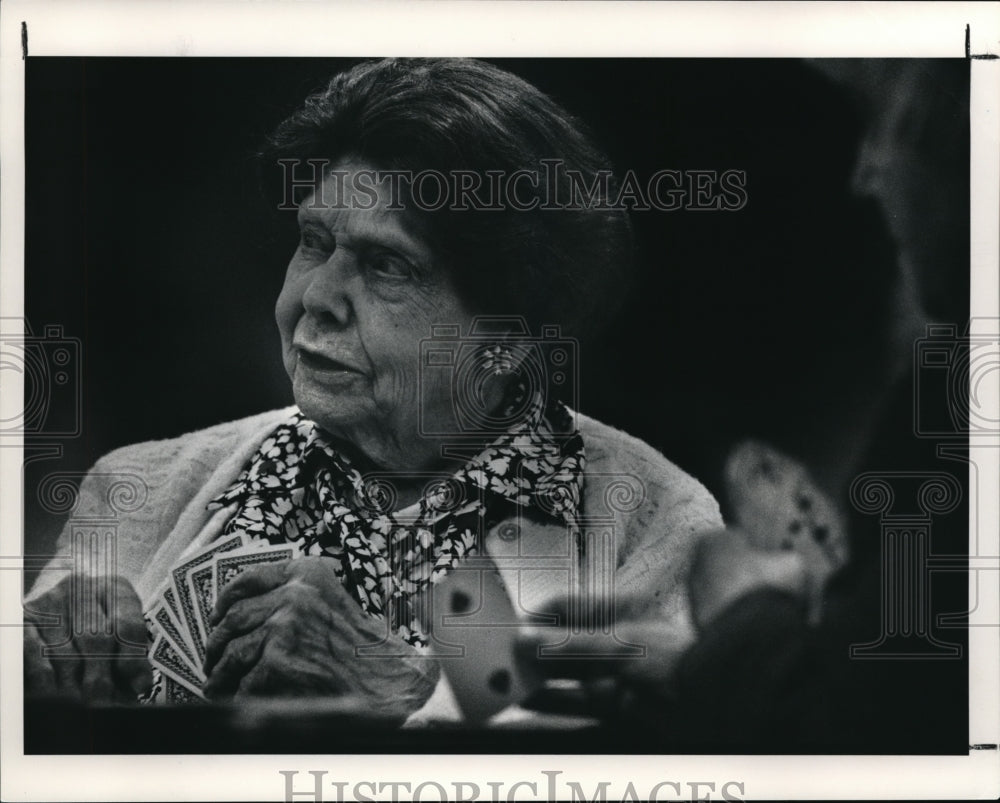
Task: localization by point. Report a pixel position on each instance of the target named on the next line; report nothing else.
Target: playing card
(169, 599)
(201, 587)
(182, 591)
(171, 631)
(229, 566)
(175, 694)
(172, 665)
(470, 610)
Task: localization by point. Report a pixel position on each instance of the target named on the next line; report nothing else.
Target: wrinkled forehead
(353, 193)
(350, 183)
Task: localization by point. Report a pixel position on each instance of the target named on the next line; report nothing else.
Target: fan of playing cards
(180, 618)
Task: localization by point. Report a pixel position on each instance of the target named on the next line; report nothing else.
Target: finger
(712, 542)
(785, 571)
(583, 610)
(133, 673)
(97, 685)
(39, 675)
(550, 654)
(96, 647)
(251, 583)
(262, 679)
(662, 645)
(53, 614)
(280, 672)
(49, 614)
(63, 655)
(69, 674)
(126, 612)
(320, 572)
(130, 672)
(242, 617)
(239, 657)
(639, 649)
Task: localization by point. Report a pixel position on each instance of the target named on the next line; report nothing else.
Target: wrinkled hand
(291, 629)
(96, 642)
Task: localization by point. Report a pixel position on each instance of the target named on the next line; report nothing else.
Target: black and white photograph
(607, 413)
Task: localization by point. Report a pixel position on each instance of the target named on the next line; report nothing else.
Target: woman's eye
(391, 266)
(313, 241)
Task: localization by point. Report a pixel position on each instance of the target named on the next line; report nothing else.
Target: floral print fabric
(300, 488)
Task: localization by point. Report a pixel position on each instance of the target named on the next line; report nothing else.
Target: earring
(499, 360)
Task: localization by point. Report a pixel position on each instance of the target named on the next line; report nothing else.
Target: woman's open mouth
(317, 362)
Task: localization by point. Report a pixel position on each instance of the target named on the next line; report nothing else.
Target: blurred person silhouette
(795, 581)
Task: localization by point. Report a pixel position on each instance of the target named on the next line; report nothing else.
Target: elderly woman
(441, 193)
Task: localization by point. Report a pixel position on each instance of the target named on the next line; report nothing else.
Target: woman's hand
(291, 629)
(86, 639)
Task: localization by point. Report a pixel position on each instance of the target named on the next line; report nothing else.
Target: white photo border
(494, 29)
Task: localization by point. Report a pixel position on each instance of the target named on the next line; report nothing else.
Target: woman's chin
(336, 412)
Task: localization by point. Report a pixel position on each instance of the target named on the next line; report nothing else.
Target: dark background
(147, 239)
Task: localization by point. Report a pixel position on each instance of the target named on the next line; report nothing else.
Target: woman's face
(361, 291)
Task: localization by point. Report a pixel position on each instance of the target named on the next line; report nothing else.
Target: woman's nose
(328, 296)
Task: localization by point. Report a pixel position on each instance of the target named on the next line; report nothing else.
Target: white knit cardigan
(147, 504)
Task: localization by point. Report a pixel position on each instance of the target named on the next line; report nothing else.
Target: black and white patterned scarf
(299, 488)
